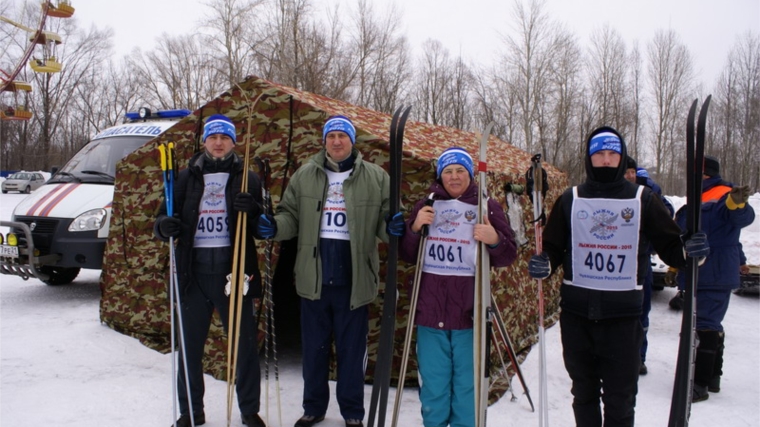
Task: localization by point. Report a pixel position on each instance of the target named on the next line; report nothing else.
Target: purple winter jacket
(446, 302)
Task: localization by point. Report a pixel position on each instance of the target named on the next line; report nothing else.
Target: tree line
(545, 90)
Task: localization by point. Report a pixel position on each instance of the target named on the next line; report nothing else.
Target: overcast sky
(473, 27)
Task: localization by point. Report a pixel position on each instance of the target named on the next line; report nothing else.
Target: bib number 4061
(444, 252)
(596, 261)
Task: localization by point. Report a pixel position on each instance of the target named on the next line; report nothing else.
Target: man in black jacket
(600, 231)
(207, 199)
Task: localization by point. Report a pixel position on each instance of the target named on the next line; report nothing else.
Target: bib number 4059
(596, 261)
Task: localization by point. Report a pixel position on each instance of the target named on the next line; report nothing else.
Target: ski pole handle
(162, 151)
(426, 228)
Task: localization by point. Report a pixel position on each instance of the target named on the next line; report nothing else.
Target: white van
(62, 227)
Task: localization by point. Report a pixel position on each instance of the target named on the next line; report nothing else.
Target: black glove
(739, 196)
(169, 226)
(244, 203)
(697, 246)
(539, 266)
(267, 226)
(394, 225)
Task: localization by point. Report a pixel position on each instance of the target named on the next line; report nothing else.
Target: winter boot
(198, 417)
(714, 386)
(676, 303)
(704, 363)
(699, 393)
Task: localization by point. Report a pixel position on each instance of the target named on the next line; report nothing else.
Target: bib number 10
(596, 261)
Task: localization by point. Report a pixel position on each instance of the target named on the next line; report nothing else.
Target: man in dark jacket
(599, 232)
(207, 199)
(725, 212)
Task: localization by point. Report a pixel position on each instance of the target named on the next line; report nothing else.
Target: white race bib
(212, 230)
(451, 249)
(334, 223)
(605, 242)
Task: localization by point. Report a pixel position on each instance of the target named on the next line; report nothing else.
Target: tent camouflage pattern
(285, 128)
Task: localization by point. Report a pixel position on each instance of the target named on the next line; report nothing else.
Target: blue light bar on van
(165, 114)
(168, 114)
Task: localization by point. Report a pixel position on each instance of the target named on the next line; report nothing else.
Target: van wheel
(60, 275)
(28, 189)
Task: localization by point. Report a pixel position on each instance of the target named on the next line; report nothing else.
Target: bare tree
(737, 104)
(607, 77)
(383, 58)
(527, 59)
(178, 73)
(671, 81)
(635, 87)
(562, 142)
(232, 33)
(442, 95)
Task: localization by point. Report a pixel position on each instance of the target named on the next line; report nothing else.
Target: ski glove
(267, 226)
(394, 225)
(169, 226)
(697, 246)
(244, 203)
(671, 277)
(738, 197)
(539, 266)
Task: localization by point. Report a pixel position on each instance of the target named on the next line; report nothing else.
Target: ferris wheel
(45, 61)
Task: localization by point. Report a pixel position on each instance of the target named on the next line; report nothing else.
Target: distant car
(659, 269)
(23, 182)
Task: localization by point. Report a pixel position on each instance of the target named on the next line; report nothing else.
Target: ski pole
(501, 327)
(543, 398)
(167, 166)
(410, 321)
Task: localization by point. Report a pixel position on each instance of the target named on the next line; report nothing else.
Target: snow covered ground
(59, 366)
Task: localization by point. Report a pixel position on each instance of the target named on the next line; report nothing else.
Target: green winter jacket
(367, 193)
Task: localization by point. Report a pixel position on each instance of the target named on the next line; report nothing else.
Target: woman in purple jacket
(445, 304)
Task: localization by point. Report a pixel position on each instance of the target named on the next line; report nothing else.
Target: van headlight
(88, 221)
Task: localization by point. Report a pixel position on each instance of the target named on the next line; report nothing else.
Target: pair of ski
(680, 407)
(382, 380)
(267, 304)
(166, 152)
(486, 311)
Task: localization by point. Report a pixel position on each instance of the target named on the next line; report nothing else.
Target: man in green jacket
(337, 205)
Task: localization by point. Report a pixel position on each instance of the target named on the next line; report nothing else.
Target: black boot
(699, 393)
(704, 363)
(253, 420)
(714, 386)
(184, 420)
(676, 303)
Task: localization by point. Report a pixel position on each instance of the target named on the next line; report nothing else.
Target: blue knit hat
(219, 123)
(604, 141)
(339, 123)
(455, 156)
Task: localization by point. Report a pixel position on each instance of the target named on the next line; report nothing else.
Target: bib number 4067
(597, 261)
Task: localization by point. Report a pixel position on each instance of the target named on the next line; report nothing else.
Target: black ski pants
(602, 358)
(206, 292)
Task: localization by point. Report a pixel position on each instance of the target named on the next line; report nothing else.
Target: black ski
(382, 380)
(680, 406)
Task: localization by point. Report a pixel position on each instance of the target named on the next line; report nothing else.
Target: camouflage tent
(284, 126)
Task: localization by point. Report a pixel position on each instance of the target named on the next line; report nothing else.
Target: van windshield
(96, 161)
